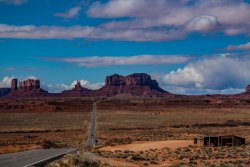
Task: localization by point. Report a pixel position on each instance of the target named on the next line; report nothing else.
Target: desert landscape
(157, 129)
(124, 83)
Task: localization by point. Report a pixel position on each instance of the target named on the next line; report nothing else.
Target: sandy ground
(146, 145)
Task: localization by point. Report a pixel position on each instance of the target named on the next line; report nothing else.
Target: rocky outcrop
(139, 84)
(248, 89)
(28, 85)
(14, 84)
(28, 88)
(77, 91)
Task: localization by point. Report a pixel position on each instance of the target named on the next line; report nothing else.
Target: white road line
(45, 159)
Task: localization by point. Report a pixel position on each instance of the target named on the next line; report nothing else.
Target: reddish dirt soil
(146, 145)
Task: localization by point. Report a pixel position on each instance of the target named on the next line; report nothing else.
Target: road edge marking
(51, 157)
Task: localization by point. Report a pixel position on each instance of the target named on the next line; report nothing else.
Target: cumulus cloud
(56, 88)
(71, 13)
(6, 82)
(14, 2)
(215, 73)
(96, 61)
(239, 47)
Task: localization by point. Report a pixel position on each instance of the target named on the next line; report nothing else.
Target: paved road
(92, 128)
(30, 158)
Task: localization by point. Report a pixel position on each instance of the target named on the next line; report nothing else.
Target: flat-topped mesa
(248, 89)
(138, 84)
(77, 91)
(29, 87)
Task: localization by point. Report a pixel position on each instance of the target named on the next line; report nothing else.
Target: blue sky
(189, 46)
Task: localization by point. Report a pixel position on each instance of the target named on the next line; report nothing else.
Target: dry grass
(186, 156)
(20, 131)
(121, 127)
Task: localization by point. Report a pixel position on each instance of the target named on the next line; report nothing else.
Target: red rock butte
(138, 84)
(29, 87)
(77, 91)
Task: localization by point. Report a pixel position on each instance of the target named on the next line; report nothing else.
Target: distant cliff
(138, 84)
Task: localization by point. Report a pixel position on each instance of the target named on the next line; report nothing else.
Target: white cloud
(199, 15)
(56, 88)
(127, 8)
(92, 33)
(71, 13)
(239, 47)
(202, 23)
(96, 61)
(215, 73)
(43, 32)
(14, 2)
(6, 82)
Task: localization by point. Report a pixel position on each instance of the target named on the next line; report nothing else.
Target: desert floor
(133, 135)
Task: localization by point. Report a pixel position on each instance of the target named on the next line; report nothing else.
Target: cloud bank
(239, 47)
(145, 20)
(215, 73)
(97, 61)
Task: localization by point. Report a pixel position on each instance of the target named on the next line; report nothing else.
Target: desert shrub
(137, 158)
(224, 165)
(180, 164)
(84, 162)
(47, 144)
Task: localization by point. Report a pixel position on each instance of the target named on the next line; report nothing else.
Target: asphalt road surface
(31, 158)
(92, 128)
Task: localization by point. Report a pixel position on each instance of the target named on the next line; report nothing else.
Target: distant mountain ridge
(137, 84)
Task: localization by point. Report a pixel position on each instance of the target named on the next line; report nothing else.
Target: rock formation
(30, 87)
(77, 91)
(14, 84)
(138, 84)
(248, 89)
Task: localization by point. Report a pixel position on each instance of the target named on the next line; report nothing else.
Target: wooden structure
(227, 140)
